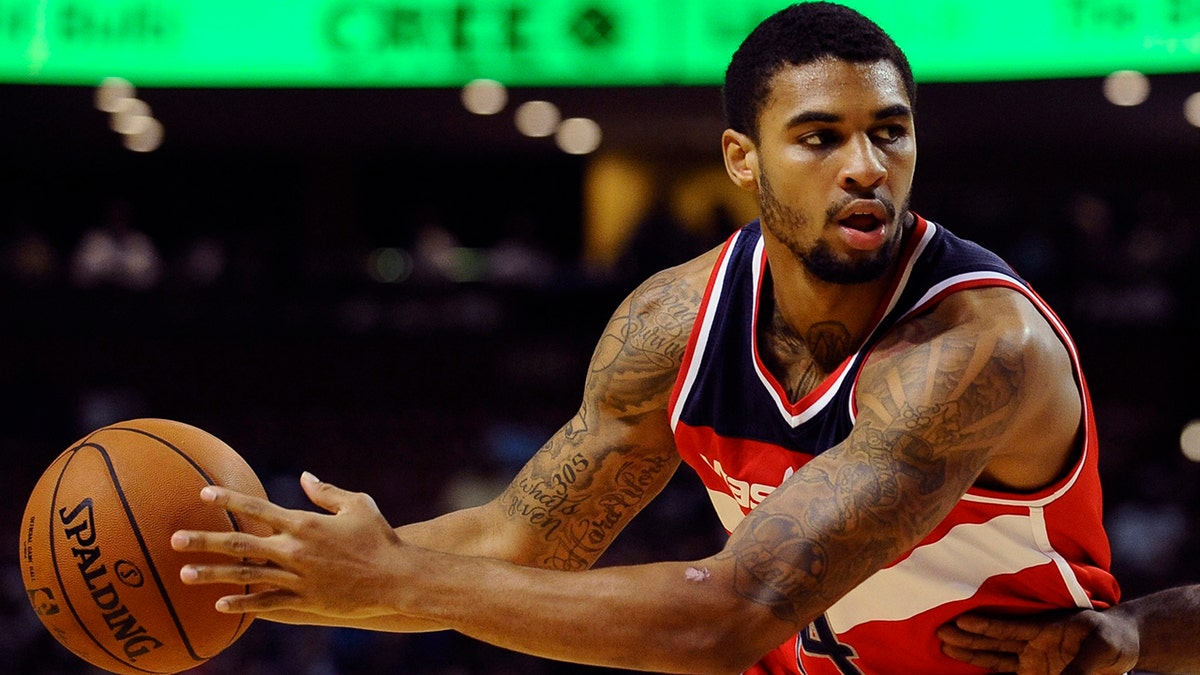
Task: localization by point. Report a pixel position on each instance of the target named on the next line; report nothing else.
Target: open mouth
(863, 222)
(863, 215)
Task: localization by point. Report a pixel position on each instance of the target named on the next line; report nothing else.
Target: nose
(863, 169)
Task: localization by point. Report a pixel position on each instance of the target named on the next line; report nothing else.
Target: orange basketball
(96, 550)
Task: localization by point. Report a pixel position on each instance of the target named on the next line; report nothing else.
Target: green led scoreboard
(444, 43)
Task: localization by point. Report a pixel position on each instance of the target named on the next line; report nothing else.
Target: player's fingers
(951, 634)
(237, 544)
(236, 574)
(275, 598)
(992, 662)
(257, 508)
(1000, 629)
(332, 498)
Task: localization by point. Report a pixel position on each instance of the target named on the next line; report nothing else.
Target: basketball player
(892, 426)
(1157, 633)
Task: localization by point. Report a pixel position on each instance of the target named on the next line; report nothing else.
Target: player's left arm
(940, 404)
(978, 390)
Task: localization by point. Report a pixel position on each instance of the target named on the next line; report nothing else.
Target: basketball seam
(233, 523)
(145, 550)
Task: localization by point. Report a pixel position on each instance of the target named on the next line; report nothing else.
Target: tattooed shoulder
(639, 354)
(937, 400)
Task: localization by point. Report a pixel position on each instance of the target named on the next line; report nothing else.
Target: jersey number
(818, 639)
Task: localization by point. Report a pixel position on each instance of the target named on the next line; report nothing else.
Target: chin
(822, 263)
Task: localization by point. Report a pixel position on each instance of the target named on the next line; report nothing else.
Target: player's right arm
(564, 508)
(572, 498)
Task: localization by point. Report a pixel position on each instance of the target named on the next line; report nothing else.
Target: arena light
(390, 265)
(578, 136)
(1191, 109)
(147, 138)
(537, 119)
(484, 97)
(1189, 441)
(1126, 88)
(112, 93)
(131, 116)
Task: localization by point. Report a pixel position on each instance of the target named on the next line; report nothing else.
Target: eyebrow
(897, 110)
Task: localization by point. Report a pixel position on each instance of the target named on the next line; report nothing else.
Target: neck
(802, 348)
(825, 343)
(832, 320)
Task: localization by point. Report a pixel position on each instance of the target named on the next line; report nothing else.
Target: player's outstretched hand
(1080, 643)
(332, 564)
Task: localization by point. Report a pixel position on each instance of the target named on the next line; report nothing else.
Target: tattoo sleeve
(617, 452)
(929, 412)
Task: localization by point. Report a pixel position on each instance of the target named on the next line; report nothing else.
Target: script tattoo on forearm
(576, 496)
(576, 519)
(879, 492)
(580, 540)
(541, 494)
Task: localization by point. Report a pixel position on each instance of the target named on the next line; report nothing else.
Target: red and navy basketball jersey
(995, 552)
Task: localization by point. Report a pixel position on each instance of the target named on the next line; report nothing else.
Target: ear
(741, 159)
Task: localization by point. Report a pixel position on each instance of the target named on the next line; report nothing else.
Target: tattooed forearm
(775, 562)
(617, 452)
(587, 534)
(929, 415)
(577, 519)
(858, 516)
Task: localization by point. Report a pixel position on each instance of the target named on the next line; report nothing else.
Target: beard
(820, 259)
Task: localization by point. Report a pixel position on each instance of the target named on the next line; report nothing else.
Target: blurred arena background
(389, 267)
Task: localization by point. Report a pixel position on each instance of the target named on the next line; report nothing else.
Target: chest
(799, 364)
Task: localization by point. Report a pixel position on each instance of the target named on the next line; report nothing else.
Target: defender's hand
(1082, 643)
(332, 564)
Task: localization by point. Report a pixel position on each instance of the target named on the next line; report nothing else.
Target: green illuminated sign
(434, 43)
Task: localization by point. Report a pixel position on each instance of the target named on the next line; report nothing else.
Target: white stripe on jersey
(954, 281)
(949, 569)
(705, 329)
(756, 267)
(1042, 535)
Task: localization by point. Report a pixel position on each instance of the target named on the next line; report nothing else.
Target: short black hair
(797, 35)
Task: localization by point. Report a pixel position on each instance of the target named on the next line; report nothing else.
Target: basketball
(96, 551)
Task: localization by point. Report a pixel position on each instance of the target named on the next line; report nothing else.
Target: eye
(890, 133)
(821, 138)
